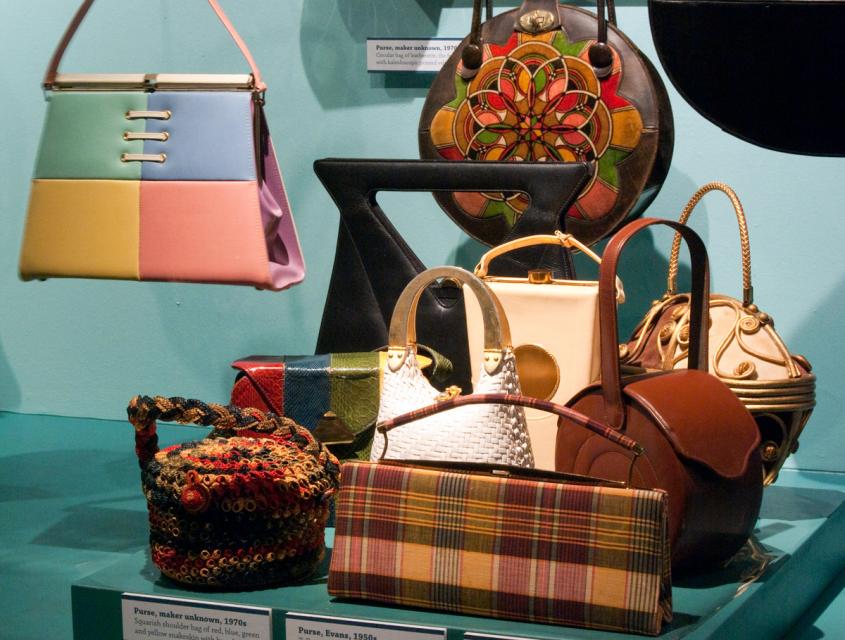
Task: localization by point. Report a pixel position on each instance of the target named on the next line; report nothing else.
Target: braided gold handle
(747, 289)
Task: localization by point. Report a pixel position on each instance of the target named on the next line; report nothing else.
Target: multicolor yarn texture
(244, 508)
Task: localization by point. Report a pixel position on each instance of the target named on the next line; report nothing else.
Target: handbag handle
(511, 399)
(611, 379)
(53, 67)
(228, 421)
(745, 245)
(540, 16)
(403, 323)
(566, 240)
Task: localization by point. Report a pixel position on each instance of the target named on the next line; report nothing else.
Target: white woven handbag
(474, 433)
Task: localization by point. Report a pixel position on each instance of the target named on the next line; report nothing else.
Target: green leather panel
(83, 135)
(355, 388)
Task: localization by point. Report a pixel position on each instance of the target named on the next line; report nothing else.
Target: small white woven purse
(474, 433)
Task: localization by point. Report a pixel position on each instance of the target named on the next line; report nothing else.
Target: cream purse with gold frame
(554, 329)
(746, 352)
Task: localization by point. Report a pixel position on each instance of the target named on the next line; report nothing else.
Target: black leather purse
(749, 68)
(373, 263)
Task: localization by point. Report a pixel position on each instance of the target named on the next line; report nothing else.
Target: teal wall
(82, 348)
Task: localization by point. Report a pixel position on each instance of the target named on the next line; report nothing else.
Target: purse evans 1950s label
(300, 626)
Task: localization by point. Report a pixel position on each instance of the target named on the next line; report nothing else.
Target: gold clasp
(448, 393)
(536, 21)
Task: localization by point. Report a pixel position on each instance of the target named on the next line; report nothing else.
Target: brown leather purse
(553, 83)
(747, 354)
(700, 442)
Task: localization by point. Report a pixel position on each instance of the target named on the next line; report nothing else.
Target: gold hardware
(450, 392)
(332, 430)
(141, 135)
(539, 276)
(151, 82)
(536, 21)
(539, 374)
(143, 157)
(148, 115)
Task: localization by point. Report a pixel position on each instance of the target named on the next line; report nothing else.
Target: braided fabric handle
(745, 245)
(512, 399)
(228, 421)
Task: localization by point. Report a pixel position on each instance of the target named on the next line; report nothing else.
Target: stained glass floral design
(537, 97)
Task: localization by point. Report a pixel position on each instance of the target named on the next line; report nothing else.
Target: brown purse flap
(717, 432)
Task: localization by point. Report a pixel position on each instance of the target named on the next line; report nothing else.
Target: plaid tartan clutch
(503, 542)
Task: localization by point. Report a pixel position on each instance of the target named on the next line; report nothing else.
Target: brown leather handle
(611, 380)
(744, 243)
(511, 399)
(53, 67)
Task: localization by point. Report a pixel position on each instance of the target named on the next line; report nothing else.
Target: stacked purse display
(487, 445)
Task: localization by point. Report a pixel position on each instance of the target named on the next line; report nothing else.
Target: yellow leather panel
(82, 228)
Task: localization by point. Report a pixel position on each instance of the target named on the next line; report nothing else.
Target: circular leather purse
(747, 354)
(554, 83)
(701, 444)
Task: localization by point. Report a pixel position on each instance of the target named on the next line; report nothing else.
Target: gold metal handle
(747, 289)
(563, 239)
(402, 337)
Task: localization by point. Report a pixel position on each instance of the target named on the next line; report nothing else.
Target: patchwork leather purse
(335, 396)
(159, 177)
(552, 83)
(216, 521)
(373, 262)
(500, 541)
(746, 352)
(553, 362)
(701, 444)
(490, 433)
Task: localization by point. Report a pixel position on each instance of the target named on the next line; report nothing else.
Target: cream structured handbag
(478, 433)
(746, 352)
(554, 327)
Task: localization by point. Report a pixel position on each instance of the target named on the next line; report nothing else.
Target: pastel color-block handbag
(159, 177)
(487, 434)
(554, 325)
(503, 542)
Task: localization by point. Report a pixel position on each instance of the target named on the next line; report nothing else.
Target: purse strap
(540, 16)
(611, 379)
(745, 245)
(511, 399)
(402, 335)
(53, 67)
(228, 421)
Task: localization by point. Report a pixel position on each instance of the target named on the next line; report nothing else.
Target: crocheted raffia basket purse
(246, 507)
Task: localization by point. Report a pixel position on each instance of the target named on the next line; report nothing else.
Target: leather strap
(745, 245)
(53, 68)
(511, 399)
(611, 381)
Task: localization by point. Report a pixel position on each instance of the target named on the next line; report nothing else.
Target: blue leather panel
(307, 389)
(210, 136)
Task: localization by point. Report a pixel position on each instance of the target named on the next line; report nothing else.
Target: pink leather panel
(202, 231)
